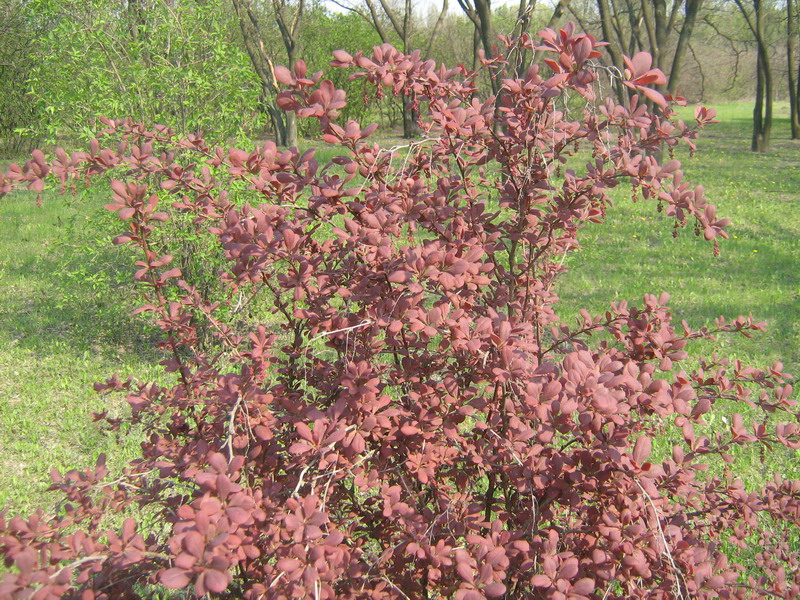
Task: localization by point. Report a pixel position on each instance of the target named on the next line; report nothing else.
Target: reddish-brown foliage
(415, 422)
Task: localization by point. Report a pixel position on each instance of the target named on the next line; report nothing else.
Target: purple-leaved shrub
(389, 407)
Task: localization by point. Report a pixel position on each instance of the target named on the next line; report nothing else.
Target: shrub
(397, 412)
(155, 60)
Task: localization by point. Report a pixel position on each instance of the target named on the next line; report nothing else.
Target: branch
(469, 11)
(400, 30)
(436, 28)
(376, 22)
(352, 9)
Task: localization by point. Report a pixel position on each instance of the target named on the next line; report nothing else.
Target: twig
(364, 323)
(667, 552)
(231, 430)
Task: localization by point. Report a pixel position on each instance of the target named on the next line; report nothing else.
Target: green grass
(634, 253)
(59, 334)
(758, 271)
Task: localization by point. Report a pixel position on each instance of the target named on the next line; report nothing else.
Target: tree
(649, 26)
(262, 60)
(762, 107)
(613, 49)
(691, 11)
(794, 82)
(289, 16)
(19, 117)
(403, 24)
(322, 33)
(480, 13)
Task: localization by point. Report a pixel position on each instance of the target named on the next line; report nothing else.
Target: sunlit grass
(758, 271)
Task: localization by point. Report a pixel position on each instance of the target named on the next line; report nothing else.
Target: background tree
(762, 107)
(403, 23)
(650, 26)
(705, 47)
(163, 62)
(18, 112)
(323, 33)
(289, 17)
(691, 11)
(480, 13)
(261, 55)
(793, 82)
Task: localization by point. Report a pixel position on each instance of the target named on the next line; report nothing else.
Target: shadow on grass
(56, 296)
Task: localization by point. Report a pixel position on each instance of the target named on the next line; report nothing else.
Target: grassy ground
(634, 252)
(64, 324)
(757, 272)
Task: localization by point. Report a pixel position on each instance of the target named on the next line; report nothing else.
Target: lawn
(758, 270)
(64, 322)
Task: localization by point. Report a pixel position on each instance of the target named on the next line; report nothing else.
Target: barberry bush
(377, 400)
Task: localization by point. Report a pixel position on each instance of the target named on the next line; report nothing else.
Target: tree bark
(794, 83)
(437, 28)
(480, 13)
(262, 65)
(402, 26)
(758, 107)
(797, 89)
(613, 52)
(692, 8)
(762, 108)
(373, 19)
(558, 12)
(290, 29)
(523, 24)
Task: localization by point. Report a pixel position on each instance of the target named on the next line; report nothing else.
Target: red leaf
(342, 56)
(568, 569)
(284, 75)
(400, 277)
(216, 581)
(583, 586)
(175, 578)
(654, 96)
(642, 449)
(493, 590)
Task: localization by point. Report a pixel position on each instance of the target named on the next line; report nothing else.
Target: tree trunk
(480, 13)
(410, 126)
(524, 13)
(483, 9)
(613, 52)
(402, 27)
(476, 43)
(692, 8)
(290, 29)
(761, 134)
(262, 65)
(290, 136)
(556, 15)
(766, 129)
(758, 107)
(797, 90)
(558, 12)
(794, 85)
(437, 28)
(762, 108)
